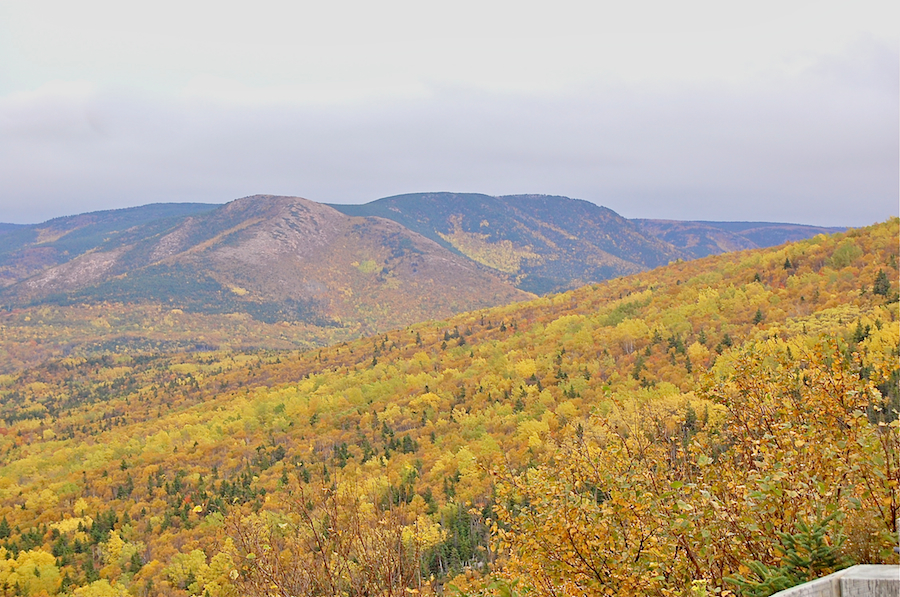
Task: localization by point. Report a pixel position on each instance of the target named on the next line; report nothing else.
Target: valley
(644, 434)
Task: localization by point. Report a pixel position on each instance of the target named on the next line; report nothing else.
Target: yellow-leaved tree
(652, 500)
(335, 538)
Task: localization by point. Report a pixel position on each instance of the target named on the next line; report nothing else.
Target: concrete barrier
(865, 580)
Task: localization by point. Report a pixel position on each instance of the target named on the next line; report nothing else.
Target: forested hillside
(728, 423)
(271, 272)
(260, 272)
(701, 239)
(546, 243)
(542, 243)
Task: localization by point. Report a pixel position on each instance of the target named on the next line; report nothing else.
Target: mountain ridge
(278, 272)
(305, 275)
(535, 242)
(543, 243)
(550, 243)
(257, 250)
(700, 238)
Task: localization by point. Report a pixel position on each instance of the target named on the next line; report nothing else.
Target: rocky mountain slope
(277, 258)
(26, 250)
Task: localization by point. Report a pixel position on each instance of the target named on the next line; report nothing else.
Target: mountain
(699, 239)
(282, 272)
(278, 259)
(539, 243)
(542, 243)
(26, 250)
(547, 243)
(9, 227)
(650, 434)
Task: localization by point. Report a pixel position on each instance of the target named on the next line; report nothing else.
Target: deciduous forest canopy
(728, 423)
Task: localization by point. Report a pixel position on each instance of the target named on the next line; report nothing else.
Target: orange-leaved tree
(649, 500)
(334, 538)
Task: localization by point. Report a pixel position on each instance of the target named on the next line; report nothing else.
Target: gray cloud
(819, 148)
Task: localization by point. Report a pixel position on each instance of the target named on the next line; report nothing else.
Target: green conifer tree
(812, 552)
(882, 285)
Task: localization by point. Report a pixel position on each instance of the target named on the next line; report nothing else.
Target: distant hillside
(282, 272)
(548, 243)
(699, 239)
(539, 243)
(278, 259)
(28, 249)
(4, 228)
(543, 243)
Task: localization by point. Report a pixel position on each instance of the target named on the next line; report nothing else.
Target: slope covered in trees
(276, 272)
(286, 273)
(542, 243)
(548, 243)
(701, 239)
(668, 432)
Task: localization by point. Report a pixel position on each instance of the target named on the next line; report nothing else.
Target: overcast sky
(778, 111)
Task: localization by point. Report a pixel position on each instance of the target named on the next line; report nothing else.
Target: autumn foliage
(648, 499)
(669, 433)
